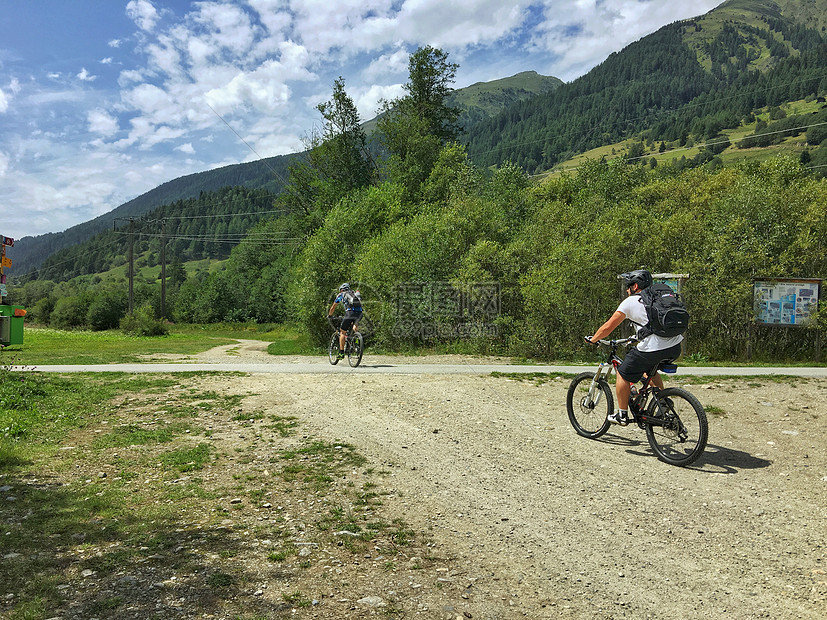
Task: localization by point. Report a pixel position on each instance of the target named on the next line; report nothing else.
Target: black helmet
(346, 287)
(641, 277)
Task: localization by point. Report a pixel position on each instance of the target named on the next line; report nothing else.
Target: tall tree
(415, 127)
(337, 158)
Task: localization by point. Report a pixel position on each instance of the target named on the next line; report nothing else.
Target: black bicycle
(674, 420)
(354, 343)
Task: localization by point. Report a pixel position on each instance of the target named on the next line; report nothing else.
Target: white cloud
(85, 76)
(367, 101)
(4, 102)
(395, 64)
(102, 123)
(185, 148)
(228, 27)
(4, 164)
(143, 13)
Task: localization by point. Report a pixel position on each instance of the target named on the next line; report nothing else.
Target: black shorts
(350, 318)
(637, 363)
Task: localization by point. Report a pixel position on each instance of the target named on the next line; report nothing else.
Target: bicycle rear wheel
(354, 351)
(588, 414)
(333, 349)
(680, 432)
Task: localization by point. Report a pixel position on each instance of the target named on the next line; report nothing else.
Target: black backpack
(667, 314)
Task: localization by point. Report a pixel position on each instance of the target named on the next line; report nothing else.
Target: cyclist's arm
(332, 308)
(608, 327)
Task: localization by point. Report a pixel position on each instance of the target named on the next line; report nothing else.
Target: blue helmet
(345, 287)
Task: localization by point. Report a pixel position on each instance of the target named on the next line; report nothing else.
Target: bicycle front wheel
(589, 406)
(333, 349)
(354, 351)
(679, 429)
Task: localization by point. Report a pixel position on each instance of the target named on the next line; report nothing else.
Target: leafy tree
(414, 128)
(337, 159)
(107, 309)
(70, 311)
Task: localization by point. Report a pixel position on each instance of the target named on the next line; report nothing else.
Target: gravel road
(548, 524)
(534, 521)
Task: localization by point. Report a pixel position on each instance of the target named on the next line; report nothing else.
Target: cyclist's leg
(656, 380)
(631, 369)
(347, 324)
(623, 391)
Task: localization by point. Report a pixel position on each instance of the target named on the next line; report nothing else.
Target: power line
(217, 215)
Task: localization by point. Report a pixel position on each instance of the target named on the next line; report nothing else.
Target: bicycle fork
(604, 370)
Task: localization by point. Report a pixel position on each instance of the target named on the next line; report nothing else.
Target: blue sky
(103, 100)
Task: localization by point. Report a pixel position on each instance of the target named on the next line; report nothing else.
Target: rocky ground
(509, 514)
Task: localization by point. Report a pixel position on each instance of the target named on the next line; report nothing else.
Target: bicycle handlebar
(609, 343)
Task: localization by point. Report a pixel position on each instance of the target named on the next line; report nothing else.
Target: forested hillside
(205, 227)
(682, 85)
(692, 77)
(268, 174)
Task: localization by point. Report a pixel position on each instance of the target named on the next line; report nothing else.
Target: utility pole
(131, 266)
(163, 269)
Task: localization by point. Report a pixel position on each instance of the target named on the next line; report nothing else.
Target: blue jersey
(352, 300)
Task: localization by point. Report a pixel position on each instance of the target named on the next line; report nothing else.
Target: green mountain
(694, 81)
(266, 174)
(690, 78)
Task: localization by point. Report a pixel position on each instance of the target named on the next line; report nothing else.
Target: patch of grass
(247, 416)
(220, 580)
(135, 435)
(187, 459)
(284, 425)
(715, 411)
(297, 599)
(282, 554)
(538, 378)
(43, 345)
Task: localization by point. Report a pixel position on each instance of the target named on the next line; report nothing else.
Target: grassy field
(117, 491)
(52, 346)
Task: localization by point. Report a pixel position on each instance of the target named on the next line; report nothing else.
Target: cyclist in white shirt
(649, 351)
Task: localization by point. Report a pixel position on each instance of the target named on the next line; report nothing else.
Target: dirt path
(546, 524)
(510, 513)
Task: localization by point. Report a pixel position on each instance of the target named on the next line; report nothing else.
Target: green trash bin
(11, 324)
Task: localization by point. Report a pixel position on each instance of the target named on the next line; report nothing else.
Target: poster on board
(785, 302)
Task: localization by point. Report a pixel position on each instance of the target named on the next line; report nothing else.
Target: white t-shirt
(634, 310)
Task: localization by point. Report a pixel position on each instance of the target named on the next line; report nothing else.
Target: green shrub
(143, 323)
(69, 312)
(107, 310)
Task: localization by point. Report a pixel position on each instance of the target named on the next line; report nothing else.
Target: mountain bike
(674, 420)
(354, 343)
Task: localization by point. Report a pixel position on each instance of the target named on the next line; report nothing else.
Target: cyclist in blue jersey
(351, 299)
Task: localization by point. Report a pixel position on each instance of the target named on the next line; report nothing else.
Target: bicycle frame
(637, 403)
